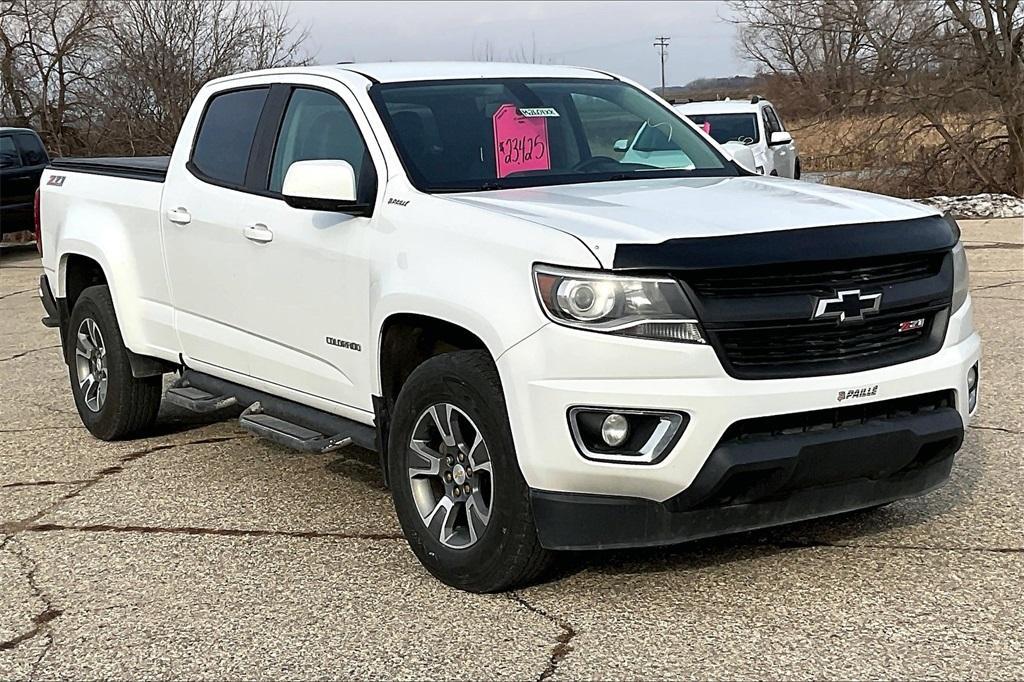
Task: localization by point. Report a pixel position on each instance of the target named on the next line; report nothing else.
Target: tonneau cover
(149, 168)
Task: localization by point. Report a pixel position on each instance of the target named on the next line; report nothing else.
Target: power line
(661, 42)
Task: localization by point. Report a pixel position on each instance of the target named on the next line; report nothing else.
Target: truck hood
(603, 215)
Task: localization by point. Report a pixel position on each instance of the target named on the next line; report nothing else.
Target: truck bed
(149, 168)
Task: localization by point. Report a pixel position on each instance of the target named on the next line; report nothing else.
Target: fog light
(972, 388)
(625, 435)
(614, 430)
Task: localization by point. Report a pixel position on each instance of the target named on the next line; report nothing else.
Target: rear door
(206, 253)
(310, 321)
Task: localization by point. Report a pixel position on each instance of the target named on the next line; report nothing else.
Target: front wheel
(112, 403)
(459, 494)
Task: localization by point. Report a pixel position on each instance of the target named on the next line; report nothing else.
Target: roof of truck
(721, 106)
(396, 72)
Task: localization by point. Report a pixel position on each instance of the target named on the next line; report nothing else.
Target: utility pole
(661, 42)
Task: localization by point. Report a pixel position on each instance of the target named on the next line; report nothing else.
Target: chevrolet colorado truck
(550, 347)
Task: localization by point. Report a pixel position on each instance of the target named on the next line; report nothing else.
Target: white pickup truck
(550, 347)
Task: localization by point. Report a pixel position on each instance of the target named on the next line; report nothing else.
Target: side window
(32, 152)
(605, 123)
(318, 125)
(8, 153)
(773, 118)
(226, 133)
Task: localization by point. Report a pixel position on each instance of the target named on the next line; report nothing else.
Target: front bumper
(558, 368)
(746, 485)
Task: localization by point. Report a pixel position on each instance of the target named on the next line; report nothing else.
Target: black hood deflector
(835, 242)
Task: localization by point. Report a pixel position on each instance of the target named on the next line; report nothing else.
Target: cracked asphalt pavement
(200, 552)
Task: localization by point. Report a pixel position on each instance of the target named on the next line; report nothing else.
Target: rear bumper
(764, 482)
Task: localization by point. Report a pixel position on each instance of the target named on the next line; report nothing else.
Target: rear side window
(8, 153)
(32, 152)
(226, 133)
(317, 125)
(771, 121)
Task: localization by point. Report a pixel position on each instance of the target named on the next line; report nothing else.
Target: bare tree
(165, 51)
(51, 64)
(937, 83)
(118, 76)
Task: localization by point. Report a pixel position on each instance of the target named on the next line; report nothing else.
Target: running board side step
(197, 400)
(283, 421)
(289, 434)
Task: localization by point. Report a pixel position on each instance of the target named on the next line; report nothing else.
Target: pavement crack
(35, 484)
(992, 245)
(998, 286)
(85, 485)
(32, 350)
(995, 428)
(563, 642)
(217, 532)
(15, 293)
(42, 620)
(41, 428)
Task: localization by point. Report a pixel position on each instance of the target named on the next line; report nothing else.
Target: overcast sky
(615, 36)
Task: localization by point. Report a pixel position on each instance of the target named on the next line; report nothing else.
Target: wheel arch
(408, 339)
(77, 272)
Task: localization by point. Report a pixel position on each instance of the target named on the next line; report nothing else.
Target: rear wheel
(112, 403)
(459, 494)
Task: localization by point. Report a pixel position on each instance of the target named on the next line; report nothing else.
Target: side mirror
(322, 185)
(621, 145)
(780, 138)
(742, 154)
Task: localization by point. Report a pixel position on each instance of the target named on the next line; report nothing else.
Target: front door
(309, 312)
(782, 157)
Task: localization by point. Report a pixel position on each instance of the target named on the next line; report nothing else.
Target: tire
(796, 169)
(505, 552)
(129, 405)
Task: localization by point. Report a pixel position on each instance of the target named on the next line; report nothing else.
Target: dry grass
(875, 141)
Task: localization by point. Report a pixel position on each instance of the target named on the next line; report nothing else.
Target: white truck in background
(551, 348)
(754, 123)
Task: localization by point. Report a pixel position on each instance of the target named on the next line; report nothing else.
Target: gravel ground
(202, 553)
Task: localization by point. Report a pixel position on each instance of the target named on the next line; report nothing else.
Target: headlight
(961, 277)
(643, 307)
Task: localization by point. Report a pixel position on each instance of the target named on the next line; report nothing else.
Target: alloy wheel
(91, 364)
(450, 475)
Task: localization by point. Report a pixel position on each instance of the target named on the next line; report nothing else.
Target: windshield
(728, 127)
(495, 133)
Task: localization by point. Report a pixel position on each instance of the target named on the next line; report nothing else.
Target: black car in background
(22, 160)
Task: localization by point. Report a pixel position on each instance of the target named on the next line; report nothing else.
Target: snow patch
(978, 205)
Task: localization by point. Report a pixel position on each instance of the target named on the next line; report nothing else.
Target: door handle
(179, 216)
(258, 232)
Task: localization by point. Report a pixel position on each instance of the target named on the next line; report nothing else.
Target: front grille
(808, 345)
(812, 278)
(760, 319)
(837, 417)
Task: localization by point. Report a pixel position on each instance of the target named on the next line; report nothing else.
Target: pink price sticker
(706, 125)
(520, 142)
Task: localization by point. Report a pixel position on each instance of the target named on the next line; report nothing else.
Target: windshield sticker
(539, 112)
(520, 142)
